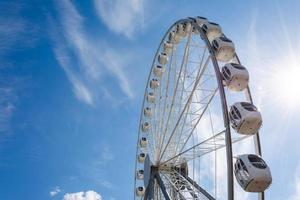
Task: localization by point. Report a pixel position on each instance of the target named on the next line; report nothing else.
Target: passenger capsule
(158, 70)
(147, 112)
(168, 47)
(174, 38)
(146, 127)
(143, 142)
(212, 30)
(195, 30)
(154, 83)
(140, 174)
(163, 58)
(201, 20)
(245, 118)
(223, 48)
(252, 173)
(235, 76)
(187, 27)
(180, 30)
(141, 157)
(140, 191)
(151, 97)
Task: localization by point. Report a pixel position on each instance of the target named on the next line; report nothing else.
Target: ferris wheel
(197, 107)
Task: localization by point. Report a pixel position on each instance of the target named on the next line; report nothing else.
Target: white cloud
(79, 89)
(88, 195)
(106, 184)
(55, 191)
(123, 17)
(85, 58)
(16, 32)
(106, 154)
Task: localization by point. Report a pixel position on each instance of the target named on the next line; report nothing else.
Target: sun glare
(286, 85)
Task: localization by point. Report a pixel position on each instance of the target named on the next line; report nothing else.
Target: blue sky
(72, 80)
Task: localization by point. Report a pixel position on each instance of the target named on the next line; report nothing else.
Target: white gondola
(223, 48)
(151, 97)
(147, 112)
(174, 38)
(158, 70)
(201, 20)
(146, 127)
(140, 191)
(154, 83)
(187, 27)
(245, 118)
(180, 30)
(212, 30)
(140, 174)
(252, 173)
(235, 76)
(143, 142)
(195, 30)
(162, 58)
(141, 157)
(168, 47)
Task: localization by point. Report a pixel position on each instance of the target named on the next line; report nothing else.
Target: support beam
(199, 188)
(150, 188)
(162, 186)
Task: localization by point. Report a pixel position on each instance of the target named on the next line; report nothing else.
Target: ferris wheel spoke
(207, 146)
(194, 115)
(199, 75)
(162, 104)
(199, 117)
(186, 54)
(181, 100)
(200, 149)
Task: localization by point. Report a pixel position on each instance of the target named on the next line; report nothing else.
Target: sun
(286, 84)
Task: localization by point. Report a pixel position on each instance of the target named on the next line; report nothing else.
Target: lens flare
(286, 81)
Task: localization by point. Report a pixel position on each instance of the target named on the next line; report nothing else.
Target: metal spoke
(200, 72)
(175, 91)
(207, 146)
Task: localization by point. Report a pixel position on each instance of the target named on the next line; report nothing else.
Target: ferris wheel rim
(223, 103)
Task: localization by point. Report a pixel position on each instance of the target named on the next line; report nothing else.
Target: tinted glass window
(249, 106)
(257, 162)
(225, 73)
(237, 166)
(237, 112)
(213, 23)
(225, 39)
(234, 116)
(228, 71)
(202, 17)
(243, 166)
(237, 66)
(215, 44)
